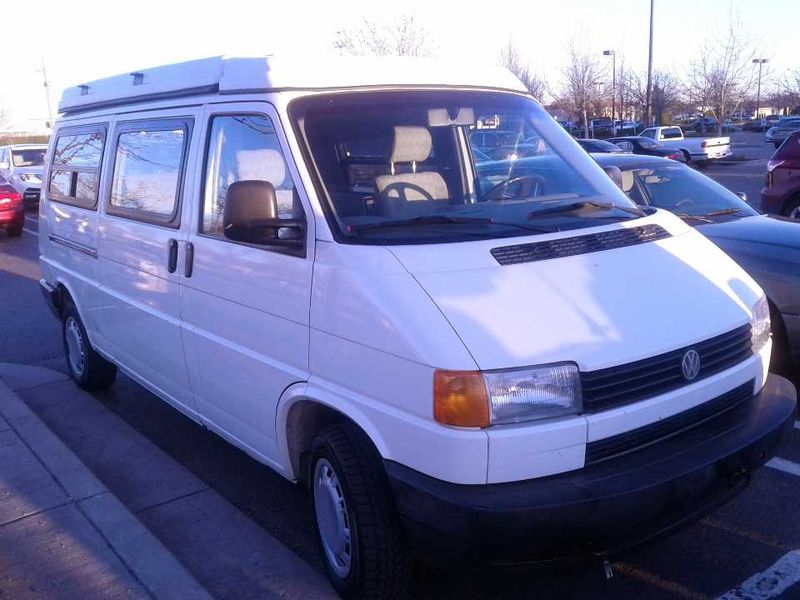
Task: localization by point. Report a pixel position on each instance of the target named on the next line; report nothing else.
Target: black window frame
(299, 252)
(172, 221)
(52, 167)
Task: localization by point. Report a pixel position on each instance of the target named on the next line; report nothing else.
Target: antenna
(46, 84)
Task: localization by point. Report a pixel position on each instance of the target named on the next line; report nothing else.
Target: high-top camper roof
(231, 75)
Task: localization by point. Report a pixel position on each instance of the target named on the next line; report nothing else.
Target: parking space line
(787, 466)
(31, 231)
(770, 583)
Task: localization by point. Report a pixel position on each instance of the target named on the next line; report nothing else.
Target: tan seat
(397, 191)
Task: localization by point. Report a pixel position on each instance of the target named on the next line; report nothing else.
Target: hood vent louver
(582, 244)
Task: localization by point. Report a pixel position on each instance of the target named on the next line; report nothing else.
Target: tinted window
(671, 133)
(75, 171)
(242, 148)
(147, 170)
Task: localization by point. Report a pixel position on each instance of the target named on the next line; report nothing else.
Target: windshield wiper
(723, 211)
(447, 220)
(695, 217)
(421, 220)
(565, 208)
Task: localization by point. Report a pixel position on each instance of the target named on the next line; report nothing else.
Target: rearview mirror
(742, 195)
(251, 215)
(615, 174)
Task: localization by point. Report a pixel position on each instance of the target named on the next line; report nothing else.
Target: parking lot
(748, 549)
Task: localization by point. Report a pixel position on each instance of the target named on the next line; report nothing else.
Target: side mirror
(742, 195)
(615, 174)
(251, 215)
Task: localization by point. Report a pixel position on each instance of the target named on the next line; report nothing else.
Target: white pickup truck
(698, 150)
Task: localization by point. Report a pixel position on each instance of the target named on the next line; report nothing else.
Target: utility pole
(613, 56)
(46, 84)
(650, 65)
(760, 62)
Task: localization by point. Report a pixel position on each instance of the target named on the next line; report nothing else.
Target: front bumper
(601, 509)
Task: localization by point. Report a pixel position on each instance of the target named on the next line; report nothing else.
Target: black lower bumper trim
(603, 508)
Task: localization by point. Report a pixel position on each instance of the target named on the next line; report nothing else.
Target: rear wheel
(359, 531)
(89, 370)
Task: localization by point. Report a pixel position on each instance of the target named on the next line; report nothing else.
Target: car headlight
(760, 326)
(483, 398)
(31, 177)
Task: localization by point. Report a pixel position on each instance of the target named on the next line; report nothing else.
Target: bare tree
(5, 120)
(401, 36)
(722, 75)
(789, 86)
(511, 60)
(582, 79)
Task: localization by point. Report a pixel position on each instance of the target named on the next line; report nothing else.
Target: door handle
(172, 260)
(188, 265)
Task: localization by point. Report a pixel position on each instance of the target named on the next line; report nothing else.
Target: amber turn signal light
(459, 398)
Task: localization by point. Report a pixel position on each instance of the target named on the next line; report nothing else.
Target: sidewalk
(62, 533)
(65, 533)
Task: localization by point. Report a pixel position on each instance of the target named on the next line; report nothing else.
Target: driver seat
(396, 192)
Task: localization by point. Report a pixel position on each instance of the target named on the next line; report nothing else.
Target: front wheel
(359, 531)
(86, 367)
(792, 208)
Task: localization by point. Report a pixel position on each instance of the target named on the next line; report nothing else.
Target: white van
(505, 360)
(22, 165)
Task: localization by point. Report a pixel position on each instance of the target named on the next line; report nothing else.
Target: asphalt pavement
(748, 549)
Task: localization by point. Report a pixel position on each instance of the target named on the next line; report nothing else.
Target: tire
(351, 500)
(792, 208)
(86, 367)
(687, 158)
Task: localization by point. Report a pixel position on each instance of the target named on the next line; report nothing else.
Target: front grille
(582, 244)
(623, 384)
(666, 428)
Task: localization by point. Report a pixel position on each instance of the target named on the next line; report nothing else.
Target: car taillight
(675, 156)
(9, 200)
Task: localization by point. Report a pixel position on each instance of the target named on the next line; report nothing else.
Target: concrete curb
(147, 559)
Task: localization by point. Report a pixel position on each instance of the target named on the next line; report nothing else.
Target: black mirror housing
(251, 215)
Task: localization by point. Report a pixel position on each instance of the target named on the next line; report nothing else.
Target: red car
(781, 192)
(12, 215)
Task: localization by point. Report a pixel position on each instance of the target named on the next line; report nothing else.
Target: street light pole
(613, 56)
(649, 65)
(43, 71)
(760, 62)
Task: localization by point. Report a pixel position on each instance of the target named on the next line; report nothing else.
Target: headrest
(411, 144)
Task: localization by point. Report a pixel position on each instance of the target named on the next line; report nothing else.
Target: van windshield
(433, 166)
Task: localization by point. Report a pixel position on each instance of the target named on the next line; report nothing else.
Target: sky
(82, 40)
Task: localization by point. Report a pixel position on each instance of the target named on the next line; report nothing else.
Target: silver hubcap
(76, 352)
(332, 519)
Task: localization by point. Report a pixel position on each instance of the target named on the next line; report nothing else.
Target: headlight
(32, 177)
(480, 399)
(760, 326)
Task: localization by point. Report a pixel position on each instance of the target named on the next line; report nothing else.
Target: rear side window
(75, 167)
(671, 133)
(148, 169)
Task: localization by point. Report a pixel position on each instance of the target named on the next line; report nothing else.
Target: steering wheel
(532, 185)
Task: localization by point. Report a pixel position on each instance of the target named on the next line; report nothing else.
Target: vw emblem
(690, 365)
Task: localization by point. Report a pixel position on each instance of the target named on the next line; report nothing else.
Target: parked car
(703, 124)
(768, 248)
(761, 123)
(699, 151)
(636, 144)
(21, 165)
(598, 146)
(503, 145)
(12, 215)
(781, 192)
(781, 130)
(294, 255)
(627, 127)
(601, 127)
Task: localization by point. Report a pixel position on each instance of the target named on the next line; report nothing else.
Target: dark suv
(781, 192)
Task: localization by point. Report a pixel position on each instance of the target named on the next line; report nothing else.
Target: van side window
(75, 167)
(245, 147)
(148, 168)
